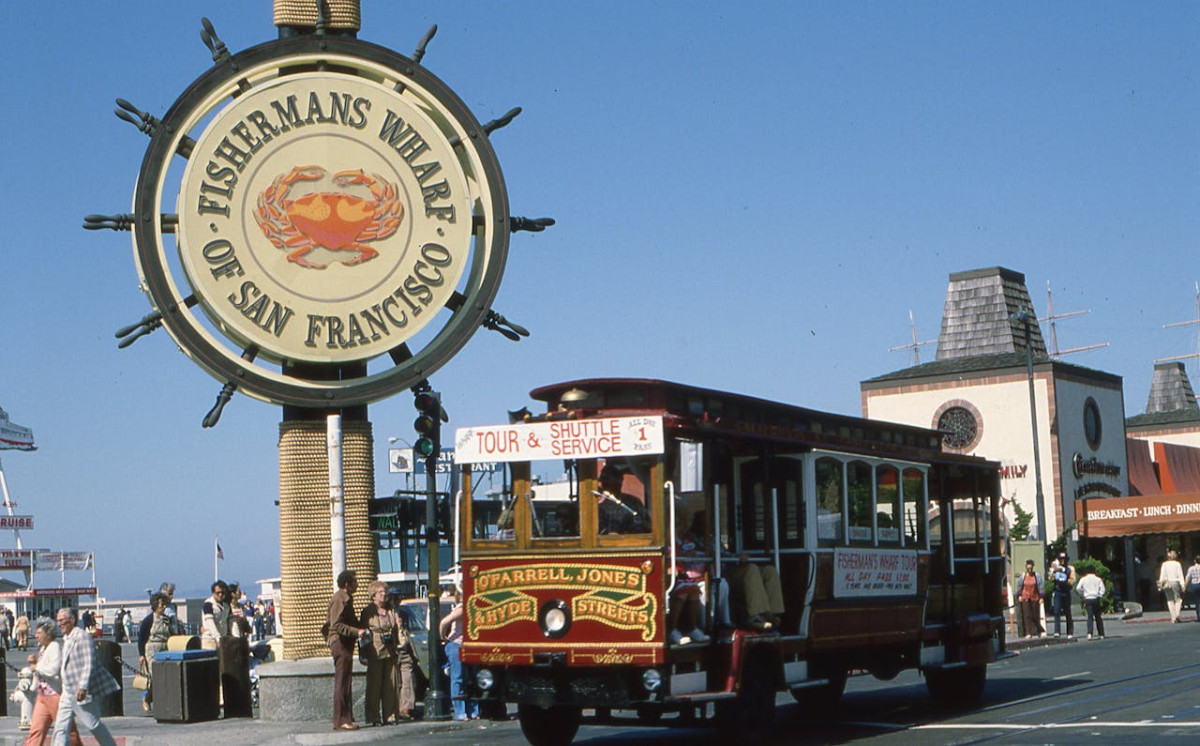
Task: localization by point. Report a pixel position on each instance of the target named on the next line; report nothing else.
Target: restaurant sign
(1148, 514)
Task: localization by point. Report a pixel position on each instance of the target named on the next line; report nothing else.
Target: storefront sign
(49, 592)
(1093, 466)
(604, 438)
(874, 572)
(16, 559)
(16, 522)
(1152, 514)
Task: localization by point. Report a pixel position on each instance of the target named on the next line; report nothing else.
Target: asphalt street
(1138, 685)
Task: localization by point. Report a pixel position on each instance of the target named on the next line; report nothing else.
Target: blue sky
(748, 197)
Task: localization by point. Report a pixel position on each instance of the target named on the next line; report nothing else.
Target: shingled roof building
(977, 391)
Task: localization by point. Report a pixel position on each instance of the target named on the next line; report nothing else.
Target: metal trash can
(185, 686)
(235, 677)
(108, 657)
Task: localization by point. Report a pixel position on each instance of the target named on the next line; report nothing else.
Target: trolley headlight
(554, 618)
(651, 679)
(484, 679)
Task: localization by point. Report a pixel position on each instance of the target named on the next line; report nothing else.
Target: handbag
(141, 681)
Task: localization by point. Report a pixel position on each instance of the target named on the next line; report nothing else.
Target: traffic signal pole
(429, 430)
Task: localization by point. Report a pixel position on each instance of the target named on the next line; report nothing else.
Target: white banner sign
(612, 436)
(10, 522)
(874, 572)
(63, 560)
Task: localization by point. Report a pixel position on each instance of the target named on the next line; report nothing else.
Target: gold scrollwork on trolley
(615, 595)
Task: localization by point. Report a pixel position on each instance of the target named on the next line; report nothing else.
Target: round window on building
(959, 427)
(1092, 429)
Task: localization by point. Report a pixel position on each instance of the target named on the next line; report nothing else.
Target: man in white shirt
(1092, 589)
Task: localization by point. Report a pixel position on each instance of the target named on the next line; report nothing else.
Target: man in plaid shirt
(83, 683)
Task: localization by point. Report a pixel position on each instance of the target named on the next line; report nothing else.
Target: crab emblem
(336, 221)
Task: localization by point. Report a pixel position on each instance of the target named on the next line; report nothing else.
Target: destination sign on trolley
(873, 572)
(531, 441)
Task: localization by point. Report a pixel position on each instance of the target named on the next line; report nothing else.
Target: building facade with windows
(977, 392)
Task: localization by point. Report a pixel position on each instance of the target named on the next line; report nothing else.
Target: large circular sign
(320, 201)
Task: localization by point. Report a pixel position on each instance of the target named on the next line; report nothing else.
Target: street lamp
(1026, 318)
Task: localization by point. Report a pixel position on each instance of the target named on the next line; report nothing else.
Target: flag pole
(216, 559)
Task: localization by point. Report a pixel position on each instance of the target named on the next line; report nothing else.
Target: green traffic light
(423, 447)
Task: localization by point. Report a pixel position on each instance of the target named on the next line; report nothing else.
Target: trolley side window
(914, 508)
(760, 480)
(860, 482)
(829, 480)
(887, 505)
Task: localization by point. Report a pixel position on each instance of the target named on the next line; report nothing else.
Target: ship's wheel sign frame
(320, 201)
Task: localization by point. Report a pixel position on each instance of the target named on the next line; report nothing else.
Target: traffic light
(428, 423)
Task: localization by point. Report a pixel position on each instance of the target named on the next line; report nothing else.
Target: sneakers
(1089, 637)
(698, 636)
(675, 638)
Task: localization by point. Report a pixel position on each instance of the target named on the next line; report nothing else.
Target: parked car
(414, 615)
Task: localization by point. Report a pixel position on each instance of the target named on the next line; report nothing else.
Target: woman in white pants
(1170, 582)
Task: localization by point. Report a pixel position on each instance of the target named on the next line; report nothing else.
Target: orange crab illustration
(336, 221)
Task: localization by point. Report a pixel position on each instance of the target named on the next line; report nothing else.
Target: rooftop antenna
(1052, 318)
(915, 346)
(1186, 323)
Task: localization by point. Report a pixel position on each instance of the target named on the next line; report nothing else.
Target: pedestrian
(22, 629)
(1030, 601)
(127, 623)
(1062, 573)
(215, 618)
(5, 630)
(451, 631)
(84, 682)
(168, 590)
(1170, 582)
(260, 623)
(239, 625)
(153, 634)
(341, 633)
(47, 683)
(383, 674)
(1091, 589)
(1193, 585)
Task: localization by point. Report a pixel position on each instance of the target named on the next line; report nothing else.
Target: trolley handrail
(669, 486)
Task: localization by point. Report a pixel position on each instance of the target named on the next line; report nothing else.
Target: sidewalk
(144, 731)
(1115, 625)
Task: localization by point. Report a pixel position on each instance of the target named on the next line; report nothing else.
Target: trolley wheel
(753, 710)
(549, 726)
(649, 714)
(957, 687)
(821, 699)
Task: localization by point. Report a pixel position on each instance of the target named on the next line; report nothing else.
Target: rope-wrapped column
(344, 15)
(304, 543)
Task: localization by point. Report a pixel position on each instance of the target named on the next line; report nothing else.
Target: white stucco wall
(1006, 433)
